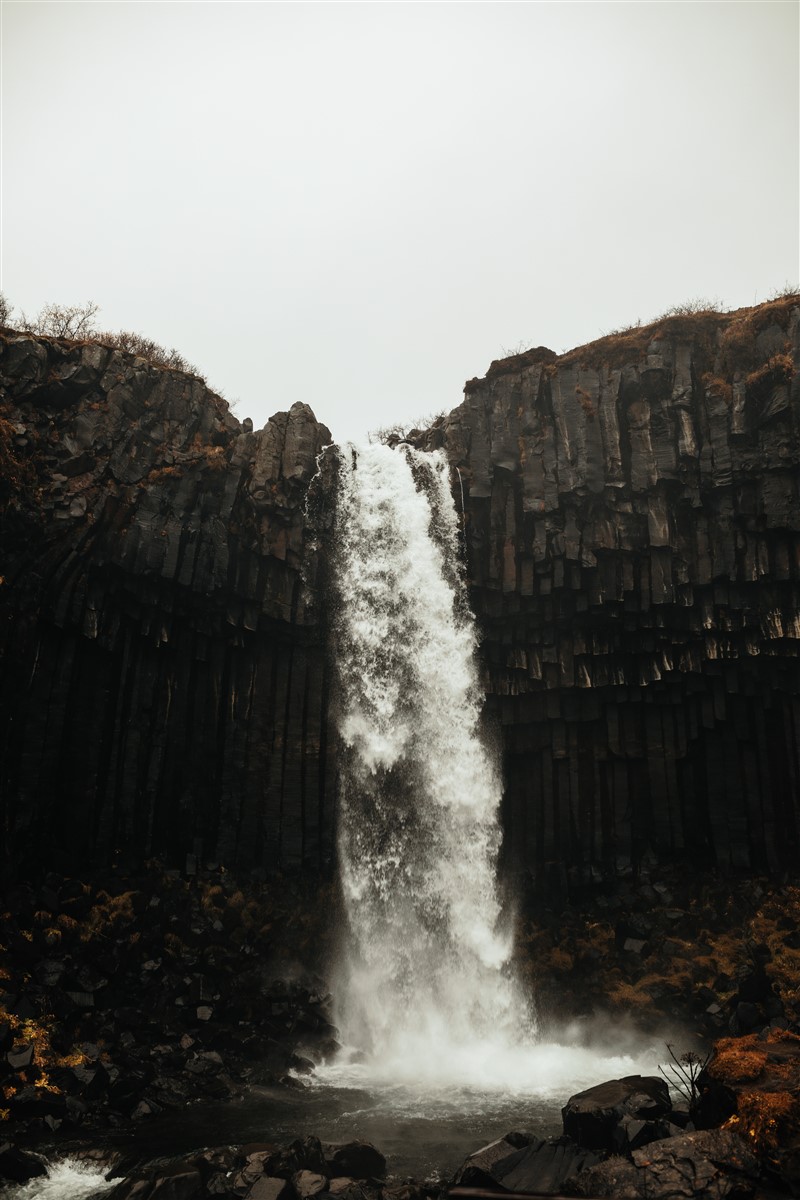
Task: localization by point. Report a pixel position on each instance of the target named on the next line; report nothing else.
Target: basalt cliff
(632, 528)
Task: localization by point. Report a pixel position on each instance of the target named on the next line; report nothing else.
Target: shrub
(74, 321)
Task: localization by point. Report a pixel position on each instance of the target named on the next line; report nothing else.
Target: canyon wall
(164, 673)
(633, 526)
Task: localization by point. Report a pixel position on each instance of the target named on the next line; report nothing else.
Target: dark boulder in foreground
(592, 1117)
(704, 1165)
(16, 1166)
(532, 1165)
(358, 1160)
(484, 1168)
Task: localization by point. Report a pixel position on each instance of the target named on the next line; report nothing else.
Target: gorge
(631, 524)
(226, 651)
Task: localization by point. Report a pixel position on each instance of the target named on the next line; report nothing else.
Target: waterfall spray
(426, 974)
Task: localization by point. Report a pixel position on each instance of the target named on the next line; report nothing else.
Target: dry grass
(716, 386)
(776, 370)
(768, 1120)
(738, 1060)
(107, 913)
(585, 401)
(631, 998)
(738, 350)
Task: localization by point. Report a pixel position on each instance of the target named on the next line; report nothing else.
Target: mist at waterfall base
(429, 1005)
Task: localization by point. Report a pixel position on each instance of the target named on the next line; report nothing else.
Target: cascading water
(428, 1001)
(426, 981)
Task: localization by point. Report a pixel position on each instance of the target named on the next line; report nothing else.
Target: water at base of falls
(67, 1179)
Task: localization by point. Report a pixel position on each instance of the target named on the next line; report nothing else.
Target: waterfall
(426, 988)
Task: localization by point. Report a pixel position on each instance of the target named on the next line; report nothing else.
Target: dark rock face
(632, 525)
(164, 683)
(633, 532)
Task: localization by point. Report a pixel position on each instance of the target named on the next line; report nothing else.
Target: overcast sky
(361, 205)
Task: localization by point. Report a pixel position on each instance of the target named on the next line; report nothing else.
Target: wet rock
(711, 1164)
(359, 1160)
(337, 1187)
(268, 1188)
(631, 1134)
(483, 1168)
(305, 1155)
(591, 1117)
(17, 1166)
(404, 1191)
(544, 1166)
(308, 1183)
(175, 1181)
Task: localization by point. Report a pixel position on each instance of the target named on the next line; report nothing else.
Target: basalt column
(164, 681)
(633, 532)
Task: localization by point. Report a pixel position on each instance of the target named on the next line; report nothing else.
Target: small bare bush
(75, 321)
(399, 431)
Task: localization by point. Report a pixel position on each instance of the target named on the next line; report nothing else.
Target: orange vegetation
(767, 1119)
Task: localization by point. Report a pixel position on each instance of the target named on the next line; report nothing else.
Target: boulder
(175, 1181)
(711, 1164)
(591, 1117)
(483, 1168)
(543, 1166)
(268, 1188)
(308, 1183)
(18, 1167)
(299, 1155)
(358, 1160)
(631, 1134)
(708, 1165)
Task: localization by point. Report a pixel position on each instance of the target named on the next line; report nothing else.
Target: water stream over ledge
(426, 987)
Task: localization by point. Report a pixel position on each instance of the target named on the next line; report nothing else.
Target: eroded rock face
(632, 526)
(632, 523)
(164, 685)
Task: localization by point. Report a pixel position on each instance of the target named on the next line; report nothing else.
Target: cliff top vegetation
(76, 323)
(697, 320)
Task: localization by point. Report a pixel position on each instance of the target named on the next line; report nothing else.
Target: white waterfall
(426, 986)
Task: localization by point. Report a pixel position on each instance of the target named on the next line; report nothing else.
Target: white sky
(361, 205)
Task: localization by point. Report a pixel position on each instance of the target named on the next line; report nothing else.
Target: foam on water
(480, 1077)
(426, 993)
(67, 1179)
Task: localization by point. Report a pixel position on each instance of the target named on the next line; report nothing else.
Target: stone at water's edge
(16, 1166)
(487, 1165)
(360, 1160)
(592, 1117)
